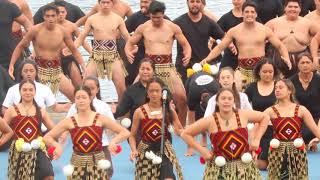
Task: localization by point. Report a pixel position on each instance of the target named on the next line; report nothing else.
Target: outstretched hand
(10, 71)
(288, 62)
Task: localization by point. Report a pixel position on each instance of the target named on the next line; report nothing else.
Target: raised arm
(25, 9)
(132, 42)
(85, 45)
(87, 28)
(24, 43)
(184, 44)
(227, 39)
(123, 30)
(275, 41)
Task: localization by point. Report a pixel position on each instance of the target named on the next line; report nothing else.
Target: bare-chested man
(294, 31)
(48, 39)
(250, 38)
(69, 65)
(314, 16)
(119, 7)
(158, 35)
(105, 59)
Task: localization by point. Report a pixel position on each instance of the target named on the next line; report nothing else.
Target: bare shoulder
(117, 17)
(305, 20)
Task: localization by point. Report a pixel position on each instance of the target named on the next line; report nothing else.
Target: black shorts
(166, 170)
(66, 62)
(43, 166)
(265, 143)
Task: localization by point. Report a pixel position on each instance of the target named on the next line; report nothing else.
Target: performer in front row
(86, 128)
(27, 156)
(231, 155)
(105, 59)
(148, 118)
(287, 156)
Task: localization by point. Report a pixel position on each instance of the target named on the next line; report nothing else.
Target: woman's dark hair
(263, 61)
(38, 109)
(169, 98)
(234, 87)
(156, 7)
(96, 80)
(217, 109)
(249, 3)
(20, 68)
(286, 2)
(147, 60)
(291, 88)
(304, 54)
(88, 91)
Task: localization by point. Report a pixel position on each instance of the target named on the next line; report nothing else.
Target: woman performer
(307, 85)
(86, 128)
(230, 157)
(226, 80)
(101, 107)
(287, 154)
(148, 118)
(261, 95)
(28, 157)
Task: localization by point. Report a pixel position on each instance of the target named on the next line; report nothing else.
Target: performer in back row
(48, 39)
(158, 35)
(105, 59)
(250, 38)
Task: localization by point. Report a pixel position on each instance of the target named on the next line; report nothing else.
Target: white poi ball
(26, 147)
(68, 170)
(246, 158)
(35, 144)
(214, 69)
(298, 142)
(147, 154)
(218, 41)
(125, 122)
(250, 126)
(197, 67)
(274, 143)
(171, 129)
(220, 161)
(156, 160)
(104, 164)
(43, 128)
(152, 155)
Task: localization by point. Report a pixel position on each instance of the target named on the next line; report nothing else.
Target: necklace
(306, 80)
(27, 109)
(154, 112)
(225, 120)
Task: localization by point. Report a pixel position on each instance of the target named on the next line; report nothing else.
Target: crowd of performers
(260, 108)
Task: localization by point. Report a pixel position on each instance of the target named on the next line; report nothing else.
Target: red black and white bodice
(151, 128)
(26, 127)
(287, 128)
(230, 144)
(88, 138)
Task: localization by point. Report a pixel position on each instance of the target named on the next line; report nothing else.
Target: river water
(174, 9)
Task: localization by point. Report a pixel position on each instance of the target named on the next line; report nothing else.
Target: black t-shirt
(269, 9)
(8, 12)
(259, 102)
(133, 97)
(197, 34)
(226, 22)
(195, 86)
(310, 98)
(74, 13)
